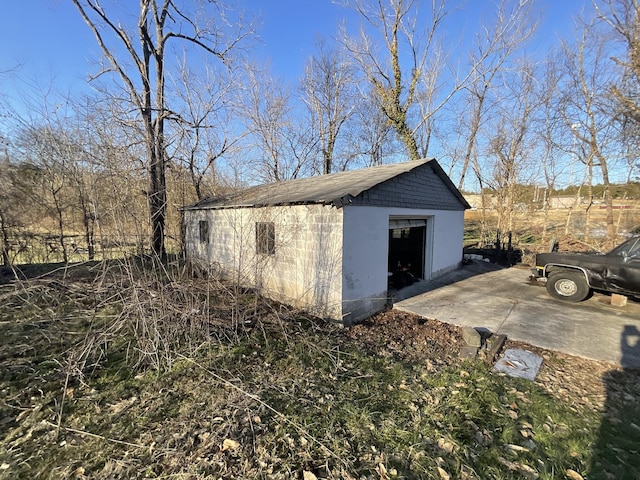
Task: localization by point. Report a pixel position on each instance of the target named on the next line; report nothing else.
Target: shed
(330, 244)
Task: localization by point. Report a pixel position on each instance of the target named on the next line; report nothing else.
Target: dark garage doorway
(407, 246)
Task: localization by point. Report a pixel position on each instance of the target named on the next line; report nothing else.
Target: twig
(64, 396)
(112, 440)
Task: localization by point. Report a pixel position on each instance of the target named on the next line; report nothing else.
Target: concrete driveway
(502, 300)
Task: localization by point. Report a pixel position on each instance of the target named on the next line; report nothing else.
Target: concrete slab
(503, 301)
(471, 337)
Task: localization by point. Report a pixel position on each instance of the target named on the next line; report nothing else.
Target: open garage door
(407, 249)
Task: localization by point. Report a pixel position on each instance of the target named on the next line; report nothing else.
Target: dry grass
(533, 230)
(134, 372)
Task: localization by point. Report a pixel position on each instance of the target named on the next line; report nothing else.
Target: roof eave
(335, 203)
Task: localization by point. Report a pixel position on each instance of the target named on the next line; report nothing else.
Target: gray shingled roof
(335, 189)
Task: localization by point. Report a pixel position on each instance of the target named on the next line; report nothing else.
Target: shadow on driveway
(464, 272)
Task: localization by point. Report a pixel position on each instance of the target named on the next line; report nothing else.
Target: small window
(265, 238)
(204, 231)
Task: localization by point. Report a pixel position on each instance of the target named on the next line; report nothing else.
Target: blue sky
(46, 42)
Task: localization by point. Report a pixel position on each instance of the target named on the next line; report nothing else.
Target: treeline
(60, 201)
(182, 110)
(536, 193)
(623, 191)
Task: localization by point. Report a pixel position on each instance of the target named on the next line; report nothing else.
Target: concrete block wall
(306, 267)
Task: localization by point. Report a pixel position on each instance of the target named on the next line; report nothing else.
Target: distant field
(533, 228)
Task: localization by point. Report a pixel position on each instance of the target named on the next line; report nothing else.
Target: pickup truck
(573, 276)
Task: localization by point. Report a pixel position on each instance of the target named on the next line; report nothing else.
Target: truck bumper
(537, 274)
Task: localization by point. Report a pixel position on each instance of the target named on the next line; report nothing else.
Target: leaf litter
(263, 391)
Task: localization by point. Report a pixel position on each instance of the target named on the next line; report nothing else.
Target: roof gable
(424, 188)
(337, 189)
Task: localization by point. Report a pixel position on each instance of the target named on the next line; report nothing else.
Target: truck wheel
(568, 285)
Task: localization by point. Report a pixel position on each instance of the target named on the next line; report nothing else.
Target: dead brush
(155, 314)
(145, 314)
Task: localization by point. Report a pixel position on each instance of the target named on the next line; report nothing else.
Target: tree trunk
(608, 201)
(475, 126)
(327, 154)
(157, 194)
(6, 259)
(545, 216)
(409, 140)
(576, 202)
(65, 257)
(87, 221)
(587, 210)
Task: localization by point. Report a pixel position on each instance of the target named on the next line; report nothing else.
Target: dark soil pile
(576, 380)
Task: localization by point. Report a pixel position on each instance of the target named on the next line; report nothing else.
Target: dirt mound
(409, 337)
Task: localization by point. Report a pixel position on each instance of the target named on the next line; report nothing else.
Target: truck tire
(568, 285)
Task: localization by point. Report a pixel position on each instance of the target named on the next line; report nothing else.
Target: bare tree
(145, 45)
(547, 127)
(396, 21)
(6, 199)
(280, 137)
(510, 143)
(43, 147)
(495, 47)
(371, 131)
(117, 152)
(586, 107)
(411, 76)
(205, 129)
(10, 203)
(623, 17)
(328, 92)
(21, 206)
(50, 144)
